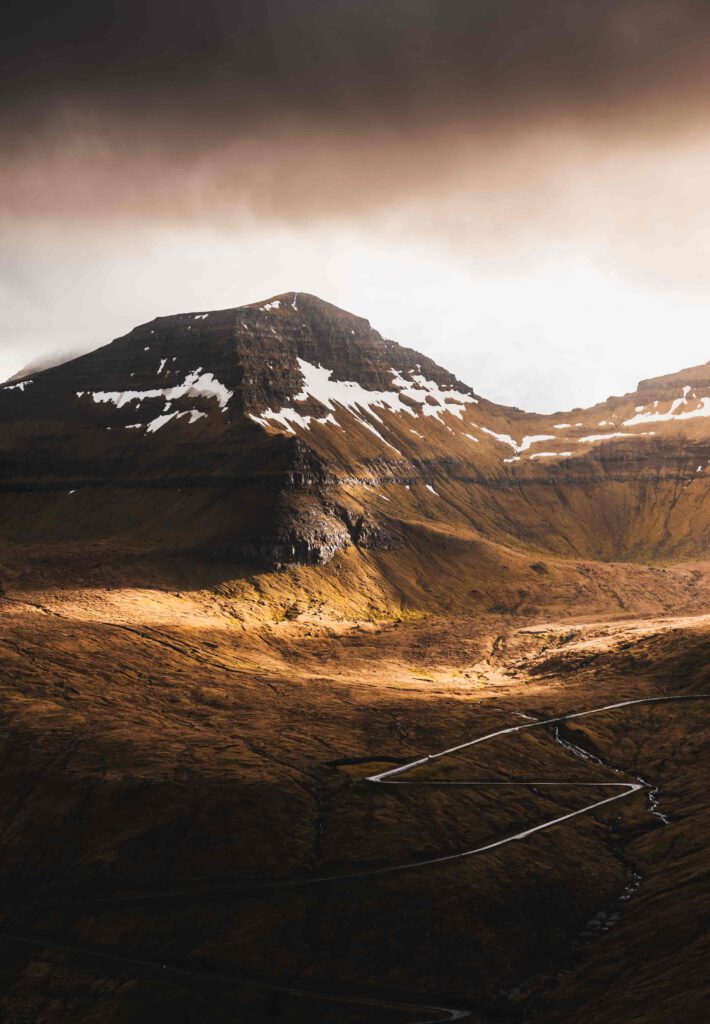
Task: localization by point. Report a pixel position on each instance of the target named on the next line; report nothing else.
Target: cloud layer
(215, 110)
(494, 141)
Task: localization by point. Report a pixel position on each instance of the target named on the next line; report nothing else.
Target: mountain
(287, 432)
(253, 559)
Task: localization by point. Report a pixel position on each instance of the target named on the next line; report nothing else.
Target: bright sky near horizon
(516, 189)
(552, 337)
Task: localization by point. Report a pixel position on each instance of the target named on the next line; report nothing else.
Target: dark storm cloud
(344, 58)
(287, 108)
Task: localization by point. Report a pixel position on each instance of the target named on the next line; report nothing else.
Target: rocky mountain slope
(288, 430)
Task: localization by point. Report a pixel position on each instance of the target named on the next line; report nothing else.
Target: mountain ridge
(289, 432)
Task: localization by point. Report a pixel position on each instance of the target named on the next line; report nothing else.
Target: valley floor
(174, 777)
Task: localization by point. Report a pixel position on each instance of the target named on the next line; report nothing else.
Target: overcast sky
(517, 188)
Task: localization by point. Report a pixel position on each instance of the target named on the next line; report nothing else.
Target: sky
(517, 188)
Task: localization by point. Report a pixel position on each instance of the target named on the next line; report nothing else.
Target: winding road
(626, 788)
(393, 776)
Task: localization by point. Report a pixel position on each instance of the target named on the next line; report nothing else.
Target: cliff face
(286, 431)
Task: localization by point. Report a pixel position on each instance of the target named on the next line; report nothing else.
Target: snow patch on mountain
(427, 392)
(551, 455)
(533, 439)
(285, 417)
(644, 415)
(503, 438)
(160, 421)
(364, 404)
(429, 396)
(527, 441)
(196, 384)
(592, 438)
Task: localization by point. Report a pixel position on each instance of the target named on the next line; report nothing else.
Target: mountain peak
(300, 302)
(281, 361)
(286, 304)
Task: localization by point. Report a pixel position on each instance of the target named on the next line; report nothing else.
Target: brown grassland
(171, 754)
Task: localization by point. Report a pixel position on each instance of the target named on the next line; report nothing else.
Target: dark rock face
(288, 430)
